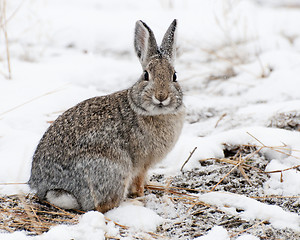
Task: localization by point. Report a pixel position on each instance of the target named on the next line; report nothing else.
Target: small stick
(283, 170)
(118, 224)
(244, 175)
(11, 183)
(255, 225)
(31, 215)
(222, 116)
(6, 38)
(276, 149)
(233, 162)
(239, 163)
(264, 197)
(256, 139)
(157, 236)
(31, 100)
(191, 154)
(163, 188)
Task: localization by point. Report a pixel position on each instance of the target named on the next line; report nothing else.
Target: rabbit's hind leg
(114, 199)
(104, 207)
(62, 199)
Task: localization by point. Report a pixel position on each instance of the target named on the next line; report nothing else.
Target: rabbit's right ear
(144, 43)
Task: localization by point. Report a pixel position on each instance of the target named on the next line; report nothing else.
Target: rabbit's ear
(144, 43)
(168, 46)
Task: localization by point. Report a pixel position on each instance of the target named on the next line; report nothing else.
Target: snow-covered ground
(238, 63)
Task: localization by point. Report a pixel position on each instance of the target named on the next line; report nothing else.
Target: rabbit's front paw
(137, 186)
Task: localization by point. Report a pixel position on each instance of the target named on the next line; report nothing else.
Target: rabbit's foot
(137, 186)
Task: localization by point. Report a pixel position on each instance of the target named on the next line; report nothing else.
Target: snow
(215, 233)
(137, 217)
(220, 233)
(64, 52)
(91, 226)
(252, 209)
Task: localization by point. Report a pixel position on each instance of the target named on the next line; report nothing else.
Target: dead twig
(220, 119)
(265, 197)
(12, 183)
(253, 226)
(283, 170)
(240, 162)
(241, 169)
(4, 28)
(186, 161)
(33, 99)
(279, 150)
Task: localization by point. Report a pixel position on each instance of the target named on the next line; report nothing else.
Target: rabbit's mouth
(161, 103)
(157, 107)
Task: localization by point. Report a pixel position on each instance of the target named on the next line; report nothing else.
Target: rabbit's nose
(161, 96)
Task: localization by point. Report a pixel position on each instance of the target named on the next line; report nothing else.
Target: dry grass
(28, 213)
(18, 212)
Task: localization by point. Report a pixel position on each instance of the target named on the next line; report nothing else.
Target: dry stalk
(4, 28)
(184, 197)
(220, 119)
(220, 58)
(241, 169)
(31, 215)
(118, 224)
(60, 209)
(263, 74)
(169, 190)
(12, 183)
(233, 162)
(13, 14)
(279, 150)
(24, 215)
(265, 197)
(224, 59)
(186, 161)
(157, 236)
(253, 226)
(33, 99)
(239, 163)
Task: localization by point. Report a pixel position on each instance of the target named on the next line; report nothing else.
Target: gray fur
(97, 149)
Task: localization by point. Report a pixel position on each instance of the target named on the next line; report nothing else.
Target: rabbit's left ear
(168, 46)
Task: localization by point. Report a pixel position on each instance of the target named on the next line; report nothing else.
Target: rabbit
(97, 153)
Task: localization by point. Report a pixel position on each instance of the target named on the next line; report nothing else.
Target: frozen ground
(239, 65)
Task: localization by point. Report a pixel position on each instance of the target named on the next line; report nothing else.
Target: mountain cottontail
(99, 151)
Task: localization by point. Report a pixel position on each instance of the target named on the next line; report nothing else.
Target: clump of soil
(286, 120)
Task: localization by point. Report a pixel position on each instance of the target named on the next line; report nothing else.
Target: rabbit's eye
(174, 77)
(146, 76)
